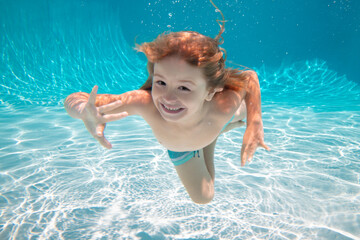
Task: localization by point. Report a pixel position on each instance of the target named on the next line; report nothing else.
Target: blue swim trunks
(179, 158)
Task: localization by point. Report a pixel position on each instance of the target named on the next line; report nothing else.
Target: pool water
(56, 182)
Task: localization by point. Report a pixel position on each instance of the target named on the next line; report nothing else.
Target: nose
(170, 96)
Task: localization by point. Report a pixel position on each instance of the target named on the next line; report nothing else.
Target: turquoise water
(58, 183)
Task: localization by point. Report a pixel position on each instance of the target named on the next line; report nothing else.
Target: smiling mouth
(171, 109)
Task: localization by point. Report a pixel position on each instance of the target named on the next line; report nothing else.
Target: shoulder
(229, 98)
(249, 74)
(227, 101)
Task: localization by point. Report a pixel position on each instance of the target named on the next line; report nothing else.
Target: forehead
(177, 68)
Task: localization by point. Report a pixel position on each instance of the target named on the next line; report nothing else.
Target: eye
(160, 83)
(182, 88)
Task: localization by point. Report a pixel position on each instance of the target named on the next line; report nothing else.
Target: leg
(198, 175)
(209, 152)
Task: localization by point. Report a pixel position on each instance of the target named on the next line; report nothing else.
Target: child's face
(179, 90)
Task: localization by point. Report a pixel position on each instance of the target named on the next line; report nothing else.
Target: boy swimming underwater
(189, 98)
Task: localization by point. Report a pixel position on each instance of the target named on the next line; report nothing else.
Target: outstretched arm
(97, 110)
(93, 109)
(254, 133)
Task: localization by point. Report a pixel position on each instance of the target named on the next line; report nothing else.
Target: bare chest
(180, 140)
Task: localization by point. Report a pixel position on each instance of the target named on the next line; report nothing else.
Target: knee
(203, 197)
(202, 200)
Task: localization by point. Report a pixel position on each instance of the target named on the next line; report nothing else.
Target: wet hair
(197, 50)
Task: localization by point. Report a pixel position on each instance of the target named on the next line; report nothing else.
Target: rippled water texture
(58, 183)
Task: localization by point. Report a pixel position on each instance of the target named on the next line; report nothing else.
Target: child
(189, 98)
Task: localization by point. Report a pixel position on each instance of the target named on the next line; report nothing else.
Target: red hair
(197, 50)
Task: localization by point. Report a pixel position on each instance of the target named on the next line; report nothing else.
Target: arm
(254, 133)
(75, 103)
(96, 110)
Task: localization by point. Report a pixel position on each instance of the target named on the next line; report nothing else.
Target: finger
(262, 144)
(109, 107)
(247, 154)
(92, 97)
(243, 156)
(104, 142)
(243, 159)
(100, 130)
(113, 117)
(249, 157)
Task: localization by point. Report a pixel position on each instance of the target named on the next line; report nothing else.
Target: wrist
(254, 121)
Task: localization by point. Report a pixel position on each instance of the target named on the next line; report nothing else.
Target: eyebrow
(183, 81)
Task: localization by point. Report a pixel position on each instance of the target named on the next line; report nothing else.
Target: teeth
(171, 109)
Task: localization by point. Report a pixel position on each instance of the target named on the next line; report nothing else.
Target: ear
(212, 93)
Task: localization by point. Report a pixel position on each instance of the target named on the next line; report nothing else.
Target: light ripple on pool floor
(64, 185)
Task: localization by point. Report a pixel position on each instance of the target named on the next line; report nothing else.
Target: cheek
(155, 92)
(154, 96)
(194, 100)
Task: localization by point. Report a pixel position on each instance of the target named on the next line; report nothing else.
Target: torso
(222, 108)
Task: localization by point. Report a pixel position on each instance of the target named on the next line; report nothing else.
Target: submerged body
(189, 99)
(183, 115)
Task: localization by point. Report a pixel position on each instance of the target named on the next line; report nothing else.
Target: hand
(95, 118)
(253, 138)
